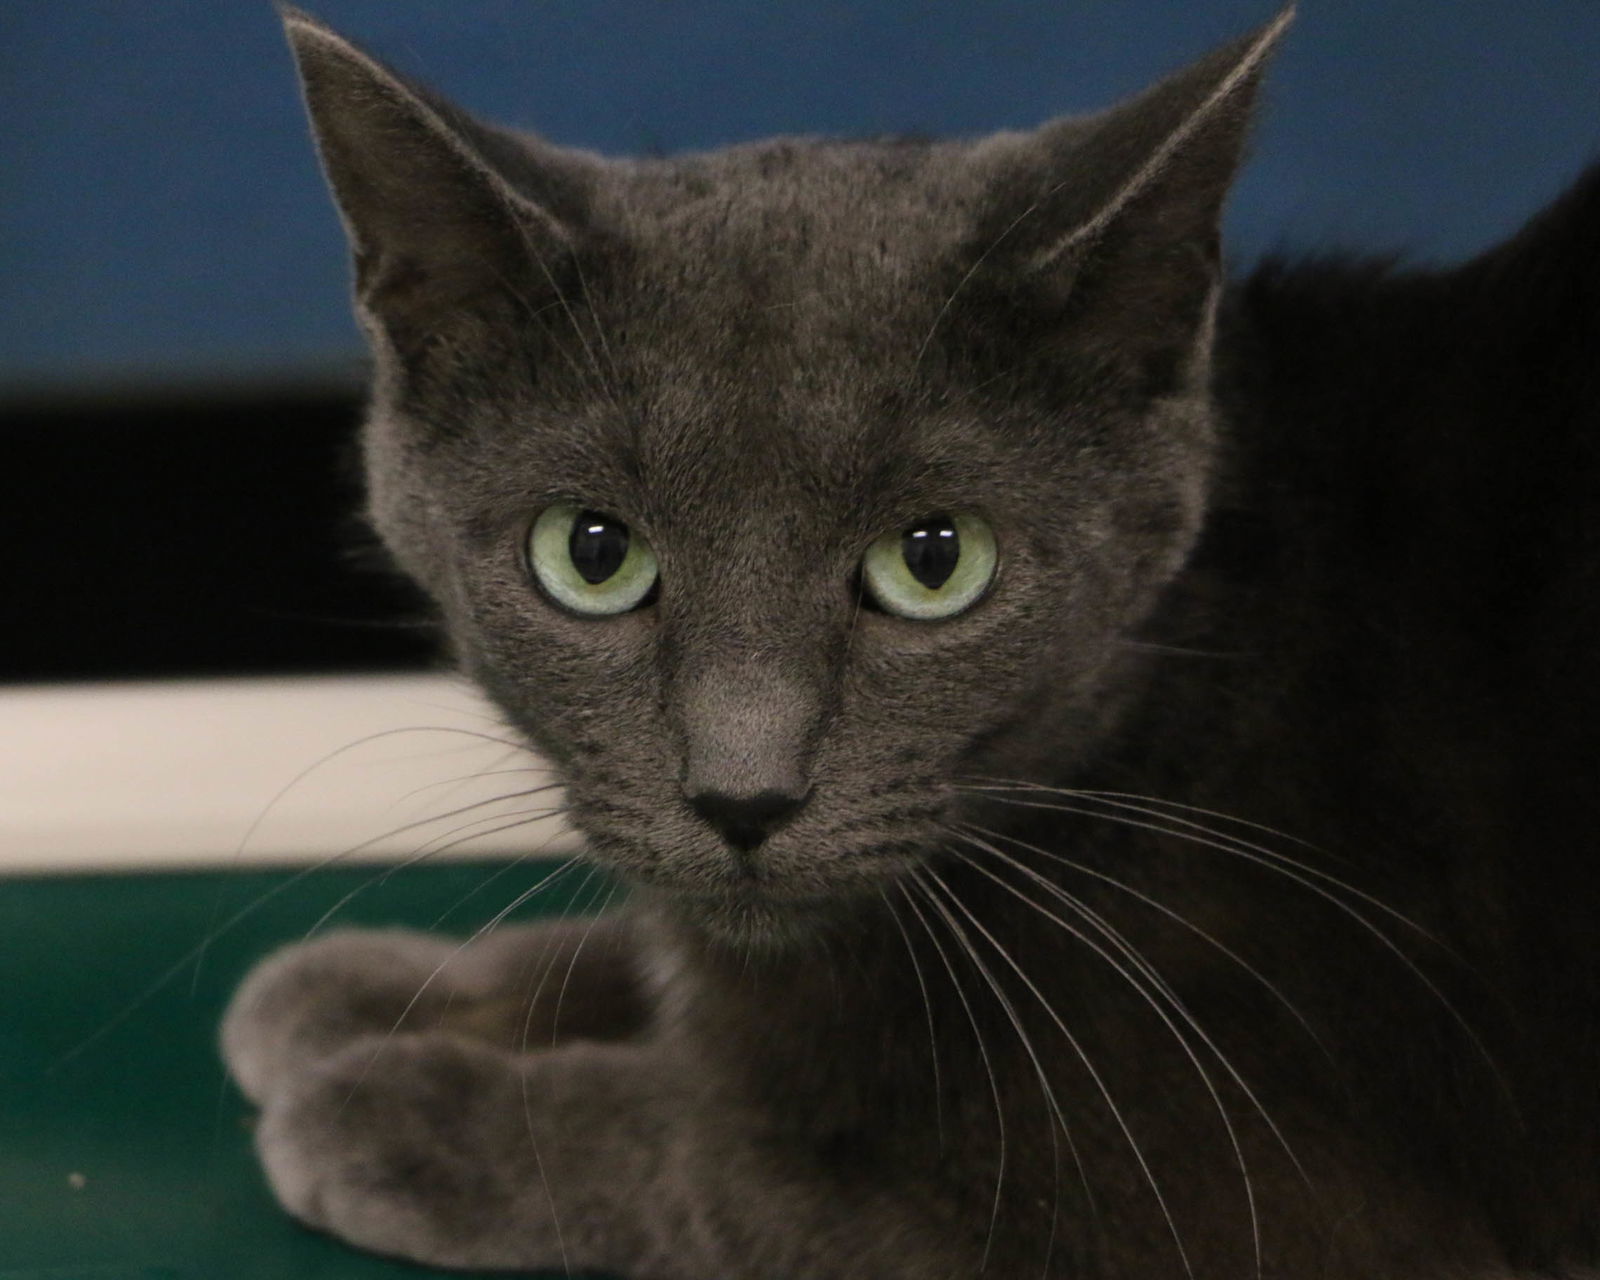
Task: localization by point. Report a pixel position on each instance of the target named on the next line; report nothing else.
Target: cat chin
(752, 923)
(754, 918)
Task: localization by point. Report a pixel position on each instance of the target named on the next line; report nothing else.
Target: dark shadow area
(207, 536)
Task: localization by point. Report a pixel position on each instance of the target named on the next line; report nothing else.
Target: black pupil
(931, 550)
(598, 546)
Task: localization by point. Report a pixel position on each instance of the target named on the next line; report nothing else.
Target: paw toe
(307, 1000)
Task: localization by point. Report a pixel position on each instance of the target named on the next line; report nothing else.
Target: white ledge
(235, 773)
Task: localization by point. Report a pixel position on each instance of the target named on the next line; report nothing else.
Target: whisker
(522, 818)
(966, 279)
(238, 917)
(431, 847)
(520, 860)
(1160, 986)
(1010, 1010)
(988, 1067)
(1177, 650)
(522, 1075)
(594, 315)
(212, 932)
(1008, 784)
(489, 926)
(1176, 917)
(538, 259)
(536, 314)
(855, 617)
(572, 963)
(1083, 1057)
(545, 963)
(1272, 861)
(461, 780)
(1262, 855)
(544, 1178)
(1081, 908)
(927, 1008)
(483, 714)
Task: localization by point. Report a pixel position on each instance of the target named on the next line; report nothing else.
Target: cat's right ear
(1101, 234)
(437, 232)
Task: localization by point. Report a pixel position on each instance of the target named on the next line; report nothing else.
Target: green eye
(590, 562)
(934, 569)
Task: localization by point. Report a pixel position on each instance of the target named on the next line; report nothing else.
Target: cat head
(775, 491)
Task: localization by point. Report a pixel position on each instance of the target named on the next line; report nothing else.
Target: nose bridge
(749, 669)
(749, 724)
(750, 679)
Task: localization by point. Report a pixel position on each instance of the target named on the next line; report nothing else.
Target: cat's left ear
(446, 217)
(1113, 220)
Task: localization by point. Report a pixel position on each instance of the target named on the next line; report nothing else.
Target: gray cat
(1106, 764)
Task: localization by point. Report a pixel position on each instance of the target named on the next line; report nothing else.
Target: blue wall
(163, 220)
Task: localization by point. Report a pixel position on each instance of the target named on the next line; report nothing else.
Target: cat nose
(744, 821)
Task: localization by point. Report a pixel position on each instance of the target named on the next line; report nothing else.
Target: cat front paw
(308, 1001)
(399, 1144)
(519, 988)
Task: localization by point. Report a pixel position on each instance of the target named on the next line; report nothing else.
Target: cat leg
(526, 985)
(446, 1151)
(614, 1156)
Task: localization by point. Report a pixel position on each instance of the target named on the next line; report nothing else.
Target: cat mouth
(740, 882)
(787, 873)
(738, 886)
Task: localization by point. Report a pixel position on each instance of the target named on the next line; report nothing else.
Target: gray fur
(782, 1061)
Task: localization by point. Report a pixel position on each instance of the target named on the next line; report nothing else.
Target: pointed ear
(436, 227)
(1114, 219)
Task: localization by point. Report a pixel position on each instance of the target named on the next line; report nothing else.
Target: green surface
(124, 1155)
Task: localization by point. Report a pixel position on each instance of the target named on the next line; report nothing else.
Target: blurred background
(178, 369)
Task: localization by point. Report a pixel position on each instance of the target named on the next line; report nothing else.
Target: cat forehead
(789, 283)
(675, 450)
(793, 222)
(769, 333)
(816, 187)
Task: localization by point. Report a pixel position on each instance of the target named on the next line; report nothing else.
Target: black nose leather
(745, 821)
